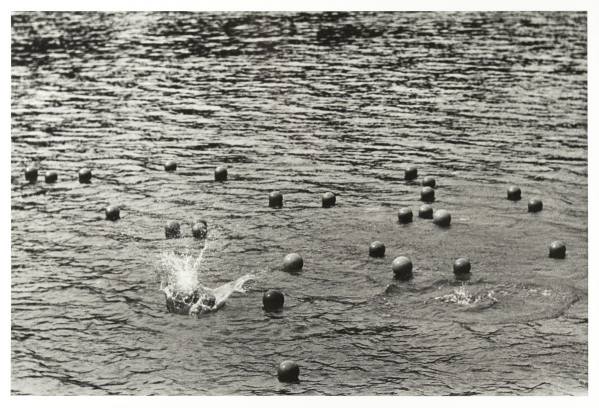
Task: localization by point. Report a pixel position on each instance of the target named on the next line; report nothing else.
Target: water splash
(181, 281)
(462, 296)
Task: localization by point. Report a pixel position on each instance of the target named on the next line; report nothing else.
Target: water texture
(302, 103)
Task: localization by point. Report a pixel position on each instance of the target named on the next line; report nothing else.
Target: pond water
(302, 103)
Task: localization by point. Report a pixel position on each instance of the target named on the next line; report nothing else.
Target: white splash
(181, 282)
(462, 296)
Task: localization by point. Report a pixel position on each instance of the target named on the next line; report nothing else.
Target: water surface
(301, 103)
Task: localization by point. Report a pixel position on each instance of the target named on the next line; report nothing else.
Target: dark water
(302, 103)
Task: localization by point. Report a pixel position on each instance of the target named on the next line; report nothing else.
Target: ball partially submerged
(404, 215)
(288, 371)
(376, 249)
(293, 263)
(273, 300)
(402, 268)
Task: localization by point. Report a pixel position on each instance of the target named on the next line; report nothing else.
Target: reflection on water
(302, 103)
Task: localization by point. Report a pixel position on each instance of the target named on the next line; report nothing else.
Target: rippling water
(302, 103)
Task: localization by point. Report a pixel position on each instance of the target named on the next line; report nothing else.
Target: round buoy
(31, 174)
(220, 173)
(411, 173)
(172, 229)
(85, 175)
(275, 199)
(293, 263)
(461, 267)
(112, 213)
(425, 211)
(427, 194)
(273, 300)
(428, 181)
(514, 193)
(199, 229)
(288, 371)
(377, 249)
(170, 165)
(328, 200)
(51, 177)
(535, 205)
(442, 218)
(404, 215)
(557, 250)
(402, 268)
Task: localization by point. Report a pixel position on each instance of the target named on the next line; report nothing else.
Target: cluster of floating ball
(402, 267)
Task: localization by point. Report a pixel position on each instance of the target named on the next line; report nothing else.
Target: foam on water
(481, 301)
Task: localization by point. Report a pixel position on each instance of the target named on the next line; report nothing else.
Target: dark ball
(377, 249)
(199, 229)
(288, 371)
(411, 173)
(220, 173)
(425, 211)
(514, 193)
(404, 215)
(273, 300)
(172, 229)
(31, 174)
(427, 194)
(535, 205)
(557, 250)
(402, 268)
(51, 177)
(428, 181)
(85, 175)
(442, 218)
(293, 263)
(461, 267)
(328, 200)
(113, 213)
(275, 199)
(170, 165)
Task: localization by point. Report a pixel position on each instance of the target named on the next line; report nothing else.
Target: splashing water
(181, 282)
(463, 297)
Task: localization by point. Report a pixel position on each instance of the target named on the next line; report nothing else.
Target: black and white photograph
(298, 203)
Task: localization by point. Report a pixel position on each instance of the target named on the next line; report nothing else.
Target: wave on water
(182, 283)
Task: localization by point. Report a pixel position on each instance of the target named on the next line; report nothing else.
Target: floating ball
(535, 205)
(514, 193)
(428, 181)
(51, 177)
(377, 249)
(31, 174)
(427, 194)
(273, 300)
(557, 250)
(461, 267)
(199, 229)
(275, 199)
(402, 268)
(288, 371)
(442, 218)
(172, 229)
(293, 263)
(113, 213)
(404, 215)
(85, 175)
(328, 200)
(411, 173)
(425, 211)
(170, 165)
(220, 173)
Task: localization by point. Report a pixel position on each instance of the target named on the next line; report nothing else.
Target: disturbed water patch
(480, 301)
